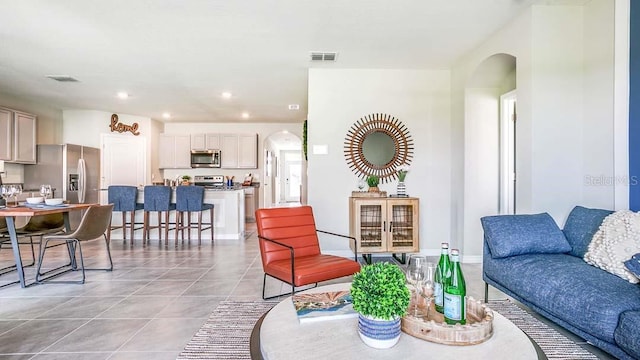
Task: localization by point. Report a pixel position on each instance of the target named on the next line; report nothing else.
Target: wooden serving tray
(479, 326)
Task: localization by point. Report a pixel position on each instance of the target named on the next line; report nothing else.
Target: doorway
(123, 161)
(508, 116)
(284, 180)
(292, 179)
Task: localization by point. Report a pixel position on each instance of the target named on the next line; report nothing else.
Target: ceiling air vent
(62, 78)
(323, 56)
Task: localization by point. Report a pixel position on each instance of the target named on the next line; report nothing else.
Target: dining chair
(157, 198)
(94, 225)
(123, 198)
(290, 249)
(190, 199)
(37, 226)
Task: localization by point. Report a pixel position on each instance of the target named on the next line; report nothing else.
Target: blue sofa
(530, 259)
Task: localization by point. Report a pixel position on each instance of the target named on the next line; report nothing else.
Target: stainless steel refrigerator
(72, 170)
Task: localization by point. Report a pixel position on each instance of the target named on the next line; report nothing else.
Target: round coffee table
(279, 335)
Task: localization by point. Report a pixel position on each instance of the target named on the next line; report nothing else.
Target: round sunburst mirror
(378, 144)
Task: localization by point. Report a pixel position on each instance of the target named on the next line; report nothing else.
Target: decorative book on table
(324, 306)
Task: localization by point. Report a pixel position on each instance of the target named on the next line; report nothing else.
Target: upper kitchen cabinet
(6, 134)
(174, 151)
(18, 135)
(239, 151)
(205, 142)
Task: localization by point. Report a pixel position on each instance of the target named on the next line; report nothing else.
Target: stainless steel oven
(205, 158)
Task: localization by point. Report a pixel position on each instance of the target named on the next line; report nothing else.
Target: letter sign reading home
(120, 127)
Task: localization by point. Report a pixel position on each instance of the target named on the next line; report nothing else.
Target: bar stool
(157, 198)
(190, 199)
(123, 198)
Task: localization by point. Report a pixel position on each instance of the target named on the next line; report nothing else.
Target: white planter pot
(378, 333)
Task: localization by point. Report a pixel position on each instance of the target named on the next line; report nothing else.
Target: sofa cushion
(580, 226)
(633, 265)
(615, 242)
(626, 334)
(566, 287)
(509, 235)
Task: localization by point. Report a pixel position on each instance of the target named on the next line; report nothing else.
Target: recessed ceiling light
(166, 115)
(245, 115)
(227, 95)
(123, 95)
(285, 131)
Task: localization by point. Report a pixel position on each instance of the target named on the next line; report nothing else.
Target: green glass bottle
(454, 293)
(443, 272)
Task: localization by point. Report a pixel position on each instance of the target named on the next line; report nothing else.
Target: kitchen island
(229, 214)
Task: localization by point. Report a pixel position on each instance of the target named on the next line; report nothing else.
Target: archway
(486, 152)
(284, 175)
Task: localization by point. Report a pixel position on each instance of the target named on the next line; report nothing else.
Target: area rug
(226, 333)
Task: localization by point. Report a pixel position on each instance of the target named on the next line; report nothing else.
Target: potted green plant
(381, 297)
(186, 179)
(373, 181)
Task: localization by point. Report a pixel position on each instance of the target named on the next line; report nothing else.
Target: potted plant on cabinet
(381, 298)
(373, 181)
(186, 179)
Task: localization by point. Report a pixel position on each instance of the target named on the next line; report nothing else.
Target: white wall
(565, 119)
(418, 98)
(49, 119)
(84, 127)
(598, 103)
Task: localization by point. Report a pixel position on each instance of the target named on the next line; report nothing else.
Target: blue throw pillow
(509, 235)
(633, 265)
(580, 227)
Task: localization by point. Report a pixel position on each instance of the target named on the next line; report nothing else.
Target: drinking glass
(428, 284)
(45, 191)
(415, 277)
(5, 193)
(17, 190)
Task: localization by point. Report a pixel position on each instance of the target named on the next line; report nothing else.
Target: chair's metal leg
(109, 254)
(486, 292)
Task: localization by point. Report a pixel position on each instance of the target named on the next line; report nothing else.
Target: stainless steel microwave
(205, 158)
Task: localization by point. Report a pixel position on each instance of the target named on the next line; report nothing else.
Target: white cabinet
(6, 134)
(229, 147)
(18, 136)
(239, 151)
(24, 141)
(205, 142)
(174, 151)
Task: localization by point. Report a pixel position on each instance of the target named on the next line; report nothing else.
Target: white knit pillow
(617, 239)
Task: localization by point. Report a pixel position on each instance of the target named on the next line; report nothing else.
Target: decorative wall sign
(378, 144)
(117, 126)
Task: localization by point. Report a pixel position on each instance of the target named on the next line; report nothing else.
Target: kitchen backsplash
(13, 173)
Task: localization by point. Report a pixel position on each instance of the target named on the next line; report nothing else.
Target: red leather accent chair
(291, 252)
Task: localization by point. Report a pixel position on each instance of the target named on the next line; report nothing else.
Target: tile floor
(147, 308)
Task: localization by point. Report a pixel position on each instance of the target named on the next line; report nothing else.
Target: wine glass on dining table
(45, 191)
(17, 190)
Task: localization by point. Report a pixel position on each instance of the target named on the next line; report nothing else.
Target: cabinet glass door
(402, 226)
(371, 226)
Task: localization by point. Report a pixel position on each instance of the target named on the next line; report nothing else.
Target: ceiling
(178, 56)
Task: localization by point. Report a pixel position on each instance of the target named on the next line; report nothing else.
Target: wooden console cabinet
(384, 225)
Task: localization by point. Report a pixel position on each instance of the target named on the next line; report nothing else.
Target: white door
(292, 175)
(508, 116)
(124, 161)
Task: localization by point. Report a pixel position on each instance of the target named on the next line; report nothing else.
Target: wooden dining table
(11, 212)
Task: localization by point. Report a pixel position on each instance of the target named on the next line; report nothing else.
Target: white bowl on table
(56, 201)
(35, 200)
